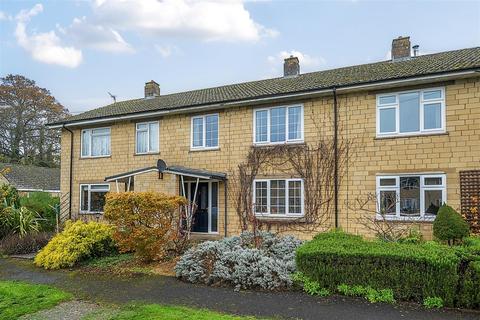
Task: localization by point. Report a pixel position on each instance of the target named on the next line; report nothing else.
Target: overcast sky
(80, 50)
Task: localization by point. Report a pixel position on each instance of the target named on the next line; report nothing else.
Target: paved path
(167, 290)
(70, 310)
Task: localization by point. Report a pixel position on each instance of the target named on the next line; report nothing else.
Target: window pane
(277, 124)
(435, 94)
(153, 137)
(198, 132)
(261, 197)
(97, 201)
(211, 133)
(261, 119)
(214, 209)
(387, 120)
(388, 202)
(432, 115)
(142, 126)
(387, 100)
(102, 131)
(436, 181)
(410, 196)
(100, 145)
(294, 123)
(277, 197)
(86, 143)
(388, 182)
(103, 187)
(433, 201)
(295, 197)
(142, 143)
(409, 112)
(84, 198)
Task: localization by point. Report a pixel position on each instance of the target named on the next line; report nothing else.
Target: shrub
(433, 302)
(144, 222)
(19, 221)
(30, 243)
(265, 261)
(310, 286)
(371, 294)
(469, 293)
(77, 242)
(45, 206)
(411, 271)
(449, 225)
(9, 196)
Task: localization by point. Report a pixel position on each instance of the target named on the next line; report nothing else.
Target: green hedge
(413, 272)
(469, 288)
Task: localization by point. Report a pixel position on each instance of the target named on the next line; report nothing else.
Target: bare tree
(25, 108)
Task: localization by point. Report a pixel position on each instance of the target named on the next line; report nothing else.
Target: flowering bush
(265, 262)
(145, 222)
(78, 241)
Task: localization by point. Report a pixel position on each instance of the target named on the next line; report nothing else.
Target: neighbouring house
(28, 178)
(405, 130)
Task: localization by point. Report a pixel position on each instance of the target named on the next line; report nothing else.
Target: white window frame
(89, 185)
(90, 145)
(423, 102)
(287, 140)
(149, 149)
(287, 214)
(423, 188)
(204, 132)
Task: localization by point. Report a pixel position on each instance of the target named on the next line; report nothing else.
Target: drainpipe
(335, 147)
(225, 197)
(71, 173)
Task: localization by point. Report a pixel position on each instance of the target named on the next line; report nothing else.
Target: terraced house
(412, 124)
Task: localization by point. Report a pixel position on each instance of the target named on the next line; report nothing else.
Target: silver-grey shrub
(238, 262)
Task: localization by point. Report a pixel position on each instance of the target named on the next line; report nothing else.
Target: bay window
(410, 196)
(95, 142)
(146, 136)
(92, 197)
(278, 197)
(278, 125)
(411, 112)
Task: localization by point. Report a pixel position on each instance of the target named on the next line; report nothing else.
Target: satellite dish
(161, 165)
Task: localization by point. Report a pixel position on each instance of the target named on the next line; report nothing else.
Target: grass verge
(19, 298)
(164, 312)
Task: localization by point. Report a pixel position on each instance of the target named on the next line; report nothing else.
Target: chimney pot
(152, 89)
(291, 67)
(416, 48)
(401, 48)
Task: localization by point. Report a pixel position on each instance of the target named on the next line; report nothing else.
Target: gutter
(444, 76)
(71, 173)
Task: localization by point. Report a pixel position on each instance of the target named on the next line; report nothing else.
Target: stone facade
(457, 149)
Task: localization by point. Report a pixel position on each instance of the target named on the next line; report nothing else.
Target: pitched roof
(32, 177)
(438, 63)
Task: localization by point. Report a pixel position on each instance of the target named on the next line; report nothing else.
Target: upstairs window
(412, 112)
(278, 125)
(410, 196)
(92, 197)
(95, 142)
(283, 197)
(147, 137)
(205, 132)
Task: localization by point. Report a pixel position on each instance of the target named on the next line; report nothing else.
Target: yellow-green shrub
(146, 222)
(78, 241)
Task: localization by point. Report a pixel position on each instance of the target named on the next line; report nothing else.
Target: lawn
(19, 298)
(164, 312)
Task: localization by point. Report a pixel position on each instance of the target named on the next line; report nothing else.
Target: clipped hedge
(413, 272)
(469, 288)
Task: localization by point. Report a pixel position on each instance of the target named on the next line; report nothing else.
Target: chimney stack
(401, 48)
(291, 67)
(152, 89)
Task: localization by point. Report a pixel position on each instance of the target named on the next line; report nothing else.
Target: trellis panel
(470, 198)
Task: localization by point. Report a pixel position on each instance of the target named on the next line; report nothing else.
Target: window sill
(204, 149)
(146, 153)
(95, 157)
(267, 145)
(277, 218)
(86, 213)
(414, 135)
(428, 219)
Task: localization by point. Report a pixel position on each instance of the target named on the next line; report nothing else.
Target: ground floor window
(411, 196)
(92, 197)
(278, 197)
